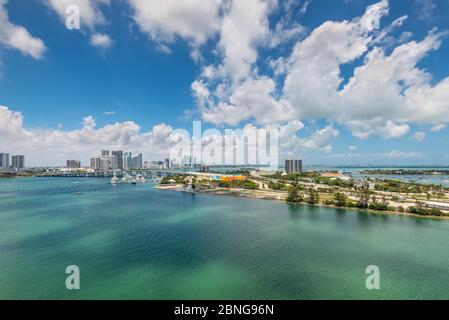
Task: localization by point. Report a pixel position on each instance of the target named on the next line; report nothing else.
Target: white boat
(140, 179)
(114, 180)
(127, 179)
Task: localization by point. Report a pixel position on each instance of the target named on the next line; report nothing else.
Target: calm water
(131, 241)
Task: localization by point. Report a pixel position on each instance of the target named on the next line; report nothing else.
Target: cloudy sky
(345, 81)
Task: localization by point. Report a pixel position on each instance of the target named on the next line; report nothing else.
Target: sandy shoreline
(281, 196)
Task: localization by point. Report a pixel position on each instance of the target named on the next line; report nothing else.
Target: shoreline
(237, 193)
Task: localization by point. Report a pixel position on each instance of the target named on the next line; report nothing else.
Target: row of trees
(297, 195)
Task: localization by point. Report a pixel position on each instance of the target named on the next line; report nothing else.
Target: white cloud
(244, 27)
(419, 136)
(90, 13)
(17, 37)
(38, 144)
(438, 127)
(385, 94)
(191, 20)
(100, 40)
(352, 148)
(109, 113)
(253, 99)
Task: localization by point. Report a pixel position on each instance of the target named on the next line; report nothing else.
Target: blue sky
(163, 65)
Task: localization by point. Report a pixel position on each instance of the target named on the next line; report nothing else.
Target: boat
(140, 179)
(127, 179)
(114, 180)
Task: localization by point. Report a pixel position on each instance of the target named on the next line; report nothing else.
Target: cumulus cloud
(100, 40)
(85, 142)
(386, 93)
(419, 136)
(191, 20)
(17, 37)
(90, 15)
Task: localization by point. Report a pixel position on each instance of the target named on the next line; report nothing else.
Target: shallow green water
(131, 241)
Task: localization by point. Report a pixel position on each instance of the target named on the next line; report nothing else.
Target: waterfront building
(137, 162)
(119, 155)
(18, 162)
(75, 164)
(4, 160)
(104, 163)
(127, 160)
(293, 166)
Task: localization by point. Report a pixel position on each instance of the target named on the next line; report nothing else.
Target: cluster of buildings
(14, 162)
(115, 160)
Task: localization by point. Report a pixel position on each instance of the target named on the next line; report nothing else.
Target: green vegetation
(178, 179)
(421, 210)
(278, 186)
(409, 187)
(239, 184)
(314, 197)
(399, 172)
(295, 195)
(340, 199)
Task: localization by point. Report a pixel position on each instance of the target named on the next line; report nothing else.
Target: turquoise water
(134, 242)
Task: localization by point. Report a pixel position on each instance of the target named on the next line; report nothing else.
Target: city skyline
(346, 82)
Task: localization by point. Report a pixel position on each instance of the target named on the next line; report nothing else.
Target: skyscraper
(104, 163)
(4, 160)
(137, 162)
(127, 160)
(105, 153)
(119, 155)
(293, 166)
(73, 164)
(18, 161)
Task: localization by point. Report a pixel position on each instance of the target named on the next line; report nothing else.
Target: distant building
(18, 162)
(335, 175)
(293, 166)
(105, 153)
(4, 160)
(127, 160)
(119, 155)
(104, 163)
(167, 164)
(137, 162)
(73, 164)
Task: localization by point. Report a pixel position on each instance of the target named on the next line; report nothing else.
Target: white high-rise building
(127, 160)
(104, 163)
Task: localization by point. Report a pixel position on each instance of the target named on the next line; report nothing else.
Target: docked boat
(140, 179)
(114, 180)
(127, 179)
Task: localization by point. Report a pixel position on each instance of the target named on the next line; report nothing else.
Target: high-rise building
(127, 160)
(293, 166)
(4, 160)
(105, 153)
(104, 163)
(167, 164)
(137, 162)
(119, 155)
(18, 162)
(73, 164)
